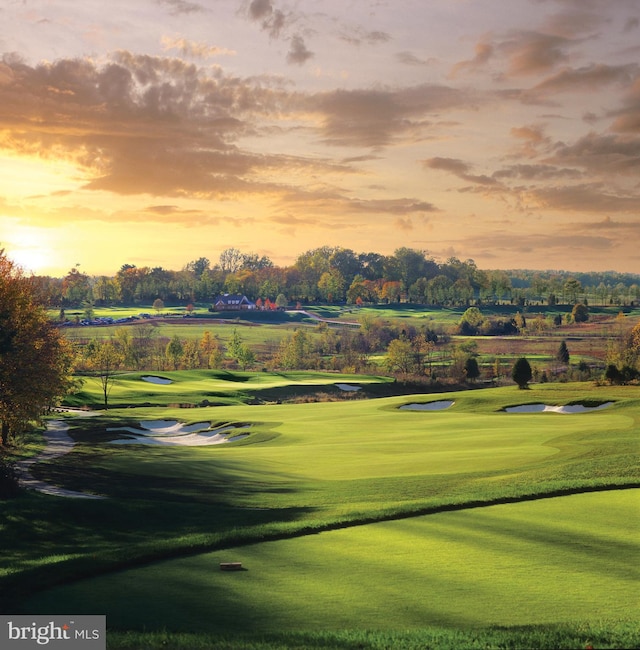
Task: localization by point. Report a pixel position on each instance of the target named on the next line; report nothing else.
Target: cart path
(58, 442)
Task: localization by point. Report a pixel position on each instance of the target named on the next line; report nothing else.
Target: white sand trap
(156, 380)
(167, 427)
(428, 406)
(170, 432)
(189, 440)
(348, 387)
(546, 408)
(160, 425)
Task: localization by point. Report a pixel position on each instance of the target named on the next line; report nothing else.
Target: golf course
(478, 518)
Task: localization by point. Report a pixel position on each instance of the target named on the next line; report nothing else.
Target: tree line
(37, 362)
(338, 275)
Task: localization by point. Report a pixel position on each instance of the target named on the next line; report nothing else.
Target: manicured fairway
(368, 455)
(561, 559)
(311, 475)
(217, 386)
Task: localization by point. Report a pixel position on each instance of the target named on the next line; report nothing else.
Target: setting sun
(28, 247)
(505, 136)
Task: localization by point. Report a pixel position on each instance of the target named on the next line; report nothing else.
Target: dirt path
(58, 443)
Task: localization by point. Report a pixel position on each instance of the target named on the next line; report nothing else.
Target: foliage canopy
(35, 360)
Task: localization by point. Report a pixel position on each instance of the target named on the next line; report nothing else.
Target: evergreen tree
(563, 353)
(521, 373)
(471, 369)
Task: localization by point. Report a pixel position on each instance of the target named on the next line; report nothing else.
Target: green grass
(405, 311)
(216, 386)
(554, 560)
(320, 467)
(598, 634)
(194, 328)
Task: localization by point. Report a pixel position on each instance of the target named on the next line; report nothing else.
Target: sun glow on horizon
(30, 248)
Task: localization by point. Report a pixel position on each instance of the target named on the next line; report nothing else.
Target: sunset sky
(155, 132)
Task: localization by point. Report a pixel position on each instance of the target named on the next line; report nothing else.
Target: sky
(156, 132)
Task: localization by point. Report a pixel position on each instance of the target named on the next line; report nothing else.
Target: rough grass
(597, 634)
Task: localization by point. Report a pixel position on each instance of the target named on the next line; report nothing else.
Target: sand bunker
(428, 406)
(171, 432)
(156, 380)
(546, 408)
(167, 427)
(348, 387)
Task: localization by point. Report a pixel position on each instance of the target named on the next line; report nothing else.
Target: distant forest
(340, 275)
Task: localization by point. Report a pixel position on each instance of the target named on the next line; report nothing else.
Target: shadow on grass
(161, 503)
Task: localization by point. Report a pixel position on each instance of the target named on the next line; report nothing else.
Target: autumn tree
(239, 351)
(471, 321)
(158, 305)
(361, 290)
(423, 348)
(123, 340)
(460, 355)
(190, 354)
(580, 313)
(107, 360)
(76, 287)
(175, 350)
(35, 360)
(331, 285)
(391, 291)
(211, 351)
(294, 351)
(230, 260)
(142, 335)
(634, 338)
(401, 357)
(520, 322)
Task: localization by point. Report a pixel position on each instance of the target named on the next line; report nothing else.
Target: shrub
(580, 313)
